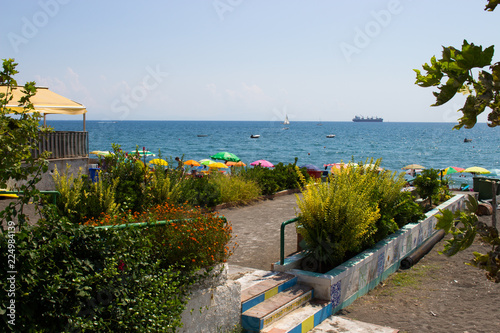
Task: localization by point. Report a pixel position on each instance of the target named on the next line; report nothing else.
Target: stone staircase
(276, 303)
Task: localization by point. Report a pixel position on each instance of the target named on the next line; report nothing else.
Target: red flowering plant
(190, 237)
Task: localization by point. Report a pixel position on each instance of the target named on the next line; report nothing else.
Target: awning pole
(44, 121)
(84, 122)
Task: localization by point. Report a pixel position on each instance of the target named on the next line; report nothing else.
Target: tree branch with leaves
(466, 71)
(19, 136)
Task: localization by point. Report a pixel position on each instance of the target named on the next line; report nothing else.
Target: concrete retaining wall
(47, 182)
(355, 277)
(215, 305)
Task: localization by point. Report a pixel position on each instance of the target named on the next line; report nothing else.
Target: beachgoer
(179, 162)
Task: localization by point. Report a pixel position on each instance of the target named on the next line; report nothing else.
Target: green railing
(146, 224)
(54, 194)
(282, 238)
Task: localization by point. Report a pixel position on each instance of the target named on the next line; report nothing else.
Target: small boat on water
(330, 136)
(467, 140)
(286, 122)
(202, 135)
(255, 136)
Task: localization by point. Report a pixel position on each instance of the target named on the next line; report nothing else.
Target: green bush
(406, 210)
(354, 209)
(162, 187)
(427, 184)
(130, 190)
(81, 199)
(192, 238)
(199, 192)
(337, 216)
(76, 278)
(386, 192)
(272, 180)
(235, 189)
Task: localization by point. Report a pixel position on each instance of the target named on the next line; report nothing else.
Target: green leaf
(473, 56)
(492, 5)
(445, 220)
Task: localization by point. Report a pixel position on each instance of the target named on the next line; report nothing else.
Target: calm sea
(433, 145)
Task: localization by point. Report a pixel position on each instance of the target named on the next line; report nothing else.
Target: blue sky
(242, 59)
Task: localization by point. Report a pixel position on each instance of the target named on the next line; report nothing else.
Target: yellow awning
(45, 102)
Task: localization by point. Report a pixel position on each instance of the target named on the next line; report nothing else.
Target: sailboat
(286, 122)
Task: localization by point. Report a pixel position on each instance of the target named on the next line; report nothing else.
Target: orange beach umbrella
(238, 164)
(192, 163)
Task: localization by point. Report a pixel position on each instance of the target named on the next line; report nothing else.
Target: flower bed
(355, 277)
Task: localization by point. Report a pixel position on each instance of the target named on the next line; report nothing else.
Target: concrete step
(302, 319)
(264, 288)
(276, 307)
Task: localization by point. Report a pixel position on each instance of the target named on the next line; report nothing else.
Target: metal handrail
(54, 194)
(282, 238)
(146, 224)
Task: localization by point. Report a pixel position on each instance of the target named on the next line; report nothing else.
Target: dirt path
(257, 228)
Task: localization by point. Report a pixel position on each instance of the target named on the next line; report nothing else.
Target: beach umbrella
(192, 163)
(101, 152)
(206, 161)
(311, 167)
(335, 166)
(413, 167)
(450, 170)
(142, 153)
(218, 165)
(476, 170)
(158, 161)
(262, 163)
(225, 156)
(237, 164)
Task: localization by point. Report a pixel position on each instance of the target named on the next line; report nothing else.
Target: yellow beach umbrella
(476, 170)
(413, 166)
(101, 152)
(158, 161)
(218, 165)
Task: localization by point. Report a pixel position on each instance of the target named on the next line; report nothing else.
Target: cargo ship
(358, 119)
